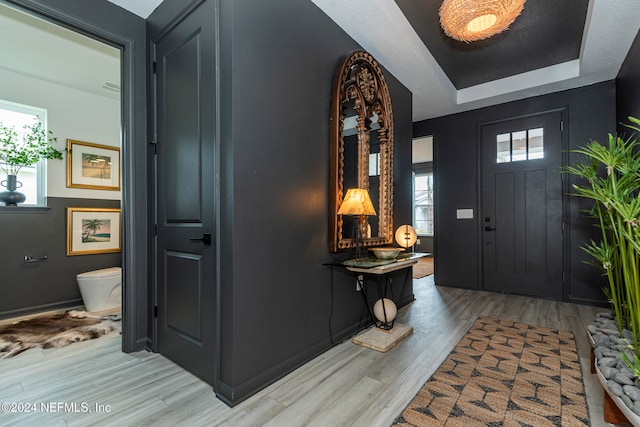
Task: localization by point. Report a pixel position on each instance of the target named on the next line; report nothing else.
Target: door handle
(487, 228)
(205, 239)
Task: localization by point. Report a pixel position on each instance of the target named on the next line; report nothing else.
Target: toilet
(101, 289)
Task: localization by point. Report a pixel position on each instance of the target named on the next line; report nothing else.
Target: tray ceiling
(553, 45)
(546, 33)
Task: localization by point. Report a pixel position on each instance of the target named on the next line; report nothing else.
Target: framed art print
(93, 231)
(93, 166)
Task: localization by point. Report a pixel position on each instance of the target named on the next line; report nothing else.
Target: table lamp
(357, 203)
(406, 236)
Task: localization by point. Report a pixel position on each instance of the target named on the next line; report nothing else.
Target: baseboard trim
(231, 396)
(74, 303)
(586, 301)
(406, 300)
(141, 344)
(234, 395)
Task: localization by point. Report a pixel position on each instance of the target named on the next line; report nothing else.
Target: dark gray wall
(278, 60)
(42, 232)
(627, 87)
(109, 23)
(590, 115)
(426, 245)
(278, 305)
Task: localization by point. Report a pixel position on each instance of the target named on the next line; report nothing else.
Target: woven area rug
(423, 268)
(504, 373)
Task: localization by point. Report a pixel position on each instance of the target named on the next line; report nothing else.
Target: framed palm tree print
(93, 231)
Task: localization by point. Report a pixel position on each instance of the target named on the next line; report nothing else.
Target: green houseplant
(611, 179)
(17, 151)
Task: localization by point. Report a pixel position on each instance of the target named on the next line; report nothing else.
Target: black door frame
(134, 157)
(564, 155)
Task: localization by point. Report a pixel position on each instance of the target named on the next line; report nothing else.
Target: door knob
(206, 239)
(487, 228)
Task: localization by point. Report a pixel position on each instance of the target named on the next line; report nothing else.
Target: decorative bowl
(386, 253)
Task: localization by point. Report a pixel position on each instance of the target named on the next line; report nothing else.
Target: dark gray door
(185, 254)
(522, 206)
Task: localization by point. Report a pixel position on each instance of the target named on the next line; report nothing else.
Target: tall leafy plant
(27, 149)
(611, 178)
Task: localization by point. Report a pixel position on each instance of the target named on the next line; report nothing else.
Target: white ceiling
(141, 8)
(610, 30)
(49, 52)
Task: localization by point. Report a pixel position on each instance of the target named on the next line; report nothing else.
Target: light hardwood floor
(348, 385)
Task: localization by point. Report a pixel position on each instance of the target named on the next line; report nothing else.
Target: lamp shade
(356, 202)
(406, 236)
(471, 20)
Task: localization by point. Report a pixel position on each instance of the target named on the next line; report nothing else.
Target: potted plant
(17, 151)
(610, 177)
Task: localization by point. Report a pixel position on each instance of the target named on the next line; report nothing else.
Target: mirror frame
(360, 79)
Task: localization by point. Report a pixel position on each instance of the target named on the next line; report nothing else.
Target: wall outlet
(418, 242)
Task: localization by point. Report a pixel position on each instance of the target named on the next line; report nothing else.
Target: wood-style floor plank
(348, 385)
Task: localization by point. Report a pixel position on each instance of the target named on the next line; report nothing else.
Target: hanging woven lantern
(471, 20)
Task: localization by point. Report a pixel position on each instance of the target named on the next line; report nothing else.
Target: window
(423, 196)
(374, 164)
(33, 178)
(520, 145)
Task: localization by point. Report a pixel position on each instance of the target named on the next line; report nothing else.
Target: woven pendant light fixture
(471, 20)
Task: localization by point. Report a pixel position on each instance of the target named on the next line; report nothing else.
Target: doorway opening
(76, 79)
(423, 193)
(423, 203)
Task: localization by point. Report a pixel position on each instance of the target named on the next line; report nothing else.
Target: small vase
(11, 197)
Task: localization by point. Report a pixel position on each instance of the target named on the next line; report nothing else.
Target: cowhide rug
(54, 330)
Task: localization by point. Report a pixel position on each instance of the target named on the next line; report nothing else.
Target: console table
(384, 334)
(381, 269)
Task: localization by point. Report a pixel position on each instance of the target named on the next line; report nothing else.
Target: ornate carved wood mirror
(361, 154)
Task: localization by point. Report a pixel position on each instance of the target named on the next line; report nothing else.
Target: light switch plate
(464, 213)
